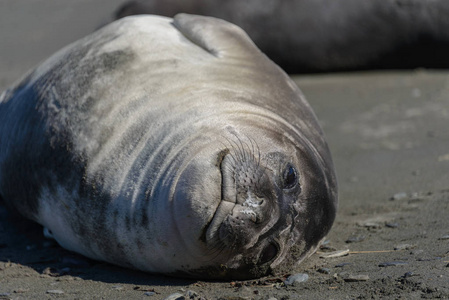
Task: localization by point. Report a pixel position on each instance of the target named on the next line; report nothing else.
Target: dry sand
(389, 135)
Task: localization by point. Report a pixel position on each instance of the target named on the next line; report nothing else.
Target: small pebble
(392, 225)
(342, 265)
(51, 272)
(324, 270)
(272, 298)
(341, 275)
(404, 247)
(415, 252)
(55, 292)
(175, 296)
(149, 293)
(327, 248)
(297, 278)
(371, 225)
(355, 278)
(338, 253)
(4, 294)
(444, 237)
(428, 259)
(191, 294)
(415, 195)
(409, 274)
(355, 239)
(117, 287)
(393, 263)
(399, 196)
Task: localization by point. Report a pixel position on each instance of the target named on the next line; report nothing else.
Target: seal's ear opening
(216, 36)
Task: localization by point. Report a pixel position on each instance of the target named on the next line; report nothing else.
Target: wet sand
(388, 133)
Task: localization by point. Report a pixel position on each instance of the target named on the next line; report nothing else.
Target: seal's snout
(247, 201)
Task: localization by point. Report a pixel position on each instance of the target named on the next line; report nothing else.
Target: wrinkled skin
(170, 146)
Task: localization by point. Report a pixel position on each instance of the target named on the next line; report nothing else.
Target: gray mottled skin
(323, 35)
(171, 146)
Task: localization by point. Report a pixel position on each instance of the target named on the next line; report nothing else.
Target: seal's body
(326, 35)
(171, 146)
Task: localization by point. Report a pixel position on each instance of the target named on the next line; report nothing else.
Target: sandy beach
(388, 134)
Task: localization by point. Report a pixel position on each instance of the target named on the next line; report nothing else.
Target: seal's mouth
(228, 196)
(243, 214)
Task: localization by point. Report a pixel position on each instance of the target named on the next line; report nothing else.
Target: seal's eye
(290, 177)
(268, 253)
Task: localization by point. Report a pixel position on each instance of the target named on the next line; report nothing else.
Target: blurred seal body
(326, 35)
(171, 146)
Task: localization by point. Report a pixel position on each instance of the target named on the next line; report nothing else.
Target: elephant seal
(171, 146)
(325, 35)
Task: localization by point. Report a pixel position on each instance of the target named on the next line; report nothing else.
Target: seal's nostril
(269, 253)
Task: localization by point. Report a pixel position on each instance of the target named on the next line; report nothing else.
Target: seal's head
(276, 203)
(255, 192)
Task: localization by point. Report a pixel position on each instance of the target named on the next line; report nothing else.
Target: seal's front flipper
(218, 37)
